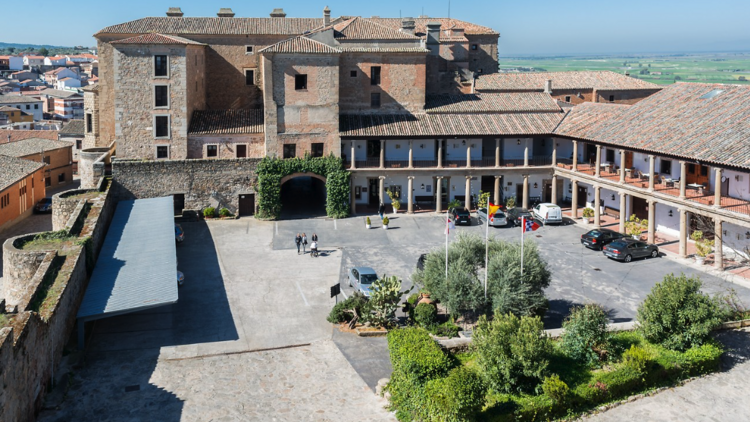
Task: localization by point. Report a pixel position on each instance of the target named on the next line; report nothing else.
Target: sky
(531, 27)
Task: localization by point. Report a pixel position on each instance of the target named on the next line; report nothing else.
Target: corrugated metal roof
(137, 266)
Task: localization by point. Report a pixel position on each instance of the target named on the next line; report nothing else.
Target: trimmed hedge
(414, 352)
(455, 398)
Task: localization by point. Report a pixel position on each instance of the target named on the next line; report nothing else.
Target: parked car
(548, 213)
(627, 249)
(597, 238)
(420, 261)
(43, 206)
(361, 278)
(499, 221)
(460, 215)
(179, 234)
(514, 216)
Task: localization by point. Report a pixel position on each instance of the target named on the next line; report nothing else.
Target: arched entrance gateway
(303, 195)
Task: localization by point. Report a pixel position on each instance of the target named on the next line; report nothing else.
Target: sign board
(335, 290)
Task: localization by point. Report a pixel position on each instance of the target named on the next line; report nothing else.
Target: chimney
(548, 86)
(326, 16)
(407, 26)
(225, 12)
(175, 12)
(278, 13)
(433, 33)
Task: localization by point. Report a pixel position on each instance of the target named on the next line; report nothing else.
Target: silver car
(361, 278)
(500, 219)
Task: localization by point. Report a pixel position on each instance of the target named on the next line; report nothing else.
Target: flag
(449, 225)
(491, 210)
(529, 225)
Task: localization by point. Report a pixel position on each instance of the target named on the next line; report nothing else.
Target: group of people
(301, 240)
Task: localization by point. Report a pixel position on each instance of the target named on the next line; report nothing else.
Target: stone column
(717, 187)
(410, 192)
(411, 154)
(683, 179)
(575, 155)
(440, 154)
(598, 162)
(353, 199)
(526, 153)
(554, 189)
(382, 156)
(651, 220)
(623, 211)
(497, 189)
(718, 245)
(467, 195)
(554, 152)
(683, 233)
(468, 154)
(497, 152)
(526, 191)
(597, 208)
(354, 165)
(651, 169)
(439, 191)
(574, 199)
(622, 168)
(381, 193)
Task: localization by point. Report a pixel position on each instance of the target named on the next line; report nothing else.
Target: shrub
(703, 359)
(619, 382)
(385, 294)
(637, 358)
(677, 315)
(209, 212)
(368, 221)
(385, 221)
(510, 202)
(635, 226)
(338, 313)
(512, 352)
(585, 333)
(446, 329)
(588, 212)
(425, 315)
(414, 352)
(703, 246)
(224, 212)
(534, 408)
(455, 204)
(555, 388)
(455, 398)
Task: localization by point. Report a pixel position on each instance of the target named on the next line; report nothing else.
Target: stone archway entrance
(303, 195)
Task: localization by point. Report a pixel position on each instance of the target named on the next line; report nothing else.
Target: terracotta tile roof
(15, 169)
(383, 50)
(366, 125)
(17, 135)
(35, 57)
(31, 146)
(420, 25)
(358, 28)
(226, 122)
(157, 39)
(74, 127)
(675, 121)
(17, 99)
(300, 45)
(8, 108)
(534, 81)
(523, 102)
(215, 26)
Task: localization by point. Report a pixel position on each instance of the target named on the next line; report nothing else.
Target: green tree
(585, 333)
(43, 52)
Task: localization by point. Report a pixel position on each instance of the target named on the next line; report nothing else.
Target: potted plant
(588, 215)
(635, 226)
(395, 202)
(367, 223)
(385, 223)
(511, 202)
(209, 212)
(703, 246)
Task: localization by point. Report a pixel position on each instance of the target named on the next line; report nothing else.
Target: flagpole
(486, 250)
(447, 228)
(523, 230)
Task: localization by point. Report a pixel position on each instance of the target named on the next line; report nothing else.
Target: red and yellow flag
(491, 210)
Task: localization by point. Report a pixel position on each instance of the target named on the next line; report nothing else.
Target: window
(353, 73)
(161, 126)
(46, 159)
(47, 182)
(474, 47)
(249, 77)
(89, 123)
(610, 155)
(375, 100)
(704, 170)
(611, 98)
(160, 66)
(78, 143)
(300, 82)
(567, 98)
(36, 106)
(290, 150)
(4, 200)
(375, 75)
(241, 151)
(162, 152)
(161, 96)
(248, 49)
(212, 151)
(665, 166)
(28, 107)
(691, 169)
(317, 149)
(60, 178)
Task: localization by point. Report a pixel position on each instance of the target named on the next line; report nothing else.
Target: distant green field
(728, 68)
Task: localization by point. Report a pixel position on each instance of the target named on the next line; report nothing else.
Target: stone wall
(19, 267)
(88, 172)
(227, 144)
(203, 183)
(63, 206)
(485, 57)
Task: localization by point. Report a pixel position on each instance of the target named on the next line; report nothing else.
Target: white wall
(455, 150)
(513, 151)
(564, 148)
(640, 161)
(738, 188)
(399, 149)
(735, 241)
(666, 224)
(16, 63)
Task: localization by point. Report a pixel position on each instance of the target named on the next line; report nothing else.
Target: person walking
(298, 241)
(304, 243)
(314, 237)
(381, 210)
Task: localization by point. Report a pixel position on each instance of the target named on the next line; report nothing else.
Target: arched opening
(303, 195)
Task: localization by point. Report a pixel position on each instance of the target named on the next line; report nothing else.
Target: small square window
(241, 151)
(162, 152)
(567, 98)
(161, 96)
(46, 159)
(47, 182)
(474, 47)
(160, 66)
(28, 107)
(248, 49)
(36, 106)
(78, 143)
(375, 100)
(290, 150)
(665, 166)
(300, 82)
(161, 126)
(212, 151)
(375, 75)
(611, 98)
(353, 73)
(249, 77)
(60, 177)
(317, 149)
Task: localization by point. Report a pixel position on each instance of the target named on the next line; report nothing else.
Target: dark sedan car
(628, 249)
(460, 215)
(515, 214)
(43, 206)
(598, 238)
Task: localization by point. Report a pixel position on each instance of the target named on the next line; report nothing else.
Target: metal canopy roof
(137, 266)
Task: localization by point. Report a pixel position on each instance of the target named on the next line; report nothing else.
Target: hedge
(414, 352)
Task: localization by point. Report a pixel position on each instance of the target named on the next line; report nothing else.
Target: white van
(548, 213)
